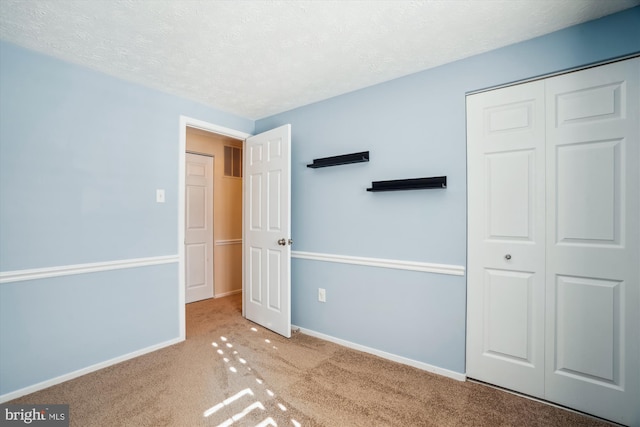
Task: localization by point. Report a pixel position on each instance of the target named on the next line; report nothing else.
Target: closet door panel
(588, 180)
(593, 190)
(505, 290)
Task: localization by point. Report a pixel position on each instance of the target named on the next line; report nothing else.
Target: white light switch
(160, 196)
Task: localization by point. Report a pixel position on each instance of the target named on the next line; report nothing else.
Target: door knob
(282, 242)
(507, 257)
(290, 241)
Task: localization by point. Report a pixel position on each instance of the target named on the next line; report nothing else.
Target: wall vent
(232, 161)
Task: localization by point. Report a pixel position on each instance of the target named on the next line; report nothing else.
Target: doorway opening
(213, 233)
(207, 139)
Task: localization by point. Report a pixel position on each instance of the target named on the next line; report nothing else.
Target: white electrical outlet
(322, 295)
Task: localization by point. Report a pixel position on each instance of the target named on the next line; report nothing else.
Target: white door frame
(209, 127)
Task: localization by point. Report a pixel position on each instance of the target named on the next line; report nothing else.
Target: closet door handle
(282, 242)
(507, 257)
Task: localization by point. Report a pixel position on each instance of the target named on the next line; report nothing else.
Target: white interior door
(267, 230)
(593, 236)
(198, 227)
(554, 179)
(505, 290)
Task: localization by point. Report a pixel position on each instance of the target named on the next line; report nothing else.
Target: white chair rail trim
(67, 270)
(228, 242)
(426, 267)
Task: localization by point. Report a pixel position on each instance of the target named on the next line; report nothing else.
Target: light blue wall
(81, 156)
(413, 127)
(55, 326)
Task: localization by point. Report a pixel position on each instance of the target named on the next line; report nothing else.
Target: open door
(266, 278)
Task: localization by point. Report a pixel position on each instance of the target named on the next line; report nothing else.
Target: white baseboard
(226, 294)
(75, 374)
(389, 356)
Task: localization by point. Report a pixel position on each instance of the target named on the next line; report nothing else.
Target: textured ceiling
(257, 58)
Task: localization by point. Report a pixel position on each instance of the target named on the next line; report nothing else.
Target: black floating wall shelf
(409, 184)
(344, 159)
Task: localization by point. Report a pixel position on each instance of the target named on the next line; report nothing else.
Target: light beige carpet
(231, 372)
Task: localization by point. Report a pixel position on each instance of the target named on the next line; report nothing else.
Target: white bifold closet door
(553, 238)
(506, 233)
